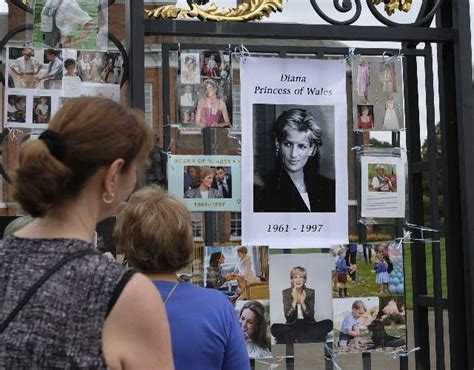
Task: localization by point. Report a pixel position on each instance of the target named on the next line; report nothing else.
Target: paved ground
(310, 356)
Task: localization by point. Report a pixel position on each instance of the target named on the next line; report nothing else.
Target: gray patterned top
(61, 325)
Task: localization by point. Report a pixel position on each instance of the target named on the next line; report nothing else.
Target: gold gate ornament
(249, 10)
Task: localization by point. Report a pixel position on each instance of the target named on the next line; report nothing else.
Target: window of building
(196, 219)
(235, 226)
(149, 104)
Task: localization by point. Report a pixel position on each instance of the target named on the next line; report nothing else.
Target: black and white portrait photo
(294, 140)
(294, 158)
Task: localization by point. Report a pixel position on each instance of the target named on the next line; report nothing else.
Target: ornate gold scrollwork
(392, 5)
(248, 11)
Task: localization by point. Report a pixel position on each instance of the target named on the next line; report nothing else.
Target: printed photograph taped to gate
(363, 324)
(294, 166)
(300, 292)
(241, 273)
(367, 270)
(254, 319)
(207, 182)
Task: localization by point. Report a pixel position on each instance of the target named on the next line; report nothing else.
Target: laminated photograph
(294, 143)
(383, 186)
(204, 89)
(205, 183)
(300, 292)
(377, 93)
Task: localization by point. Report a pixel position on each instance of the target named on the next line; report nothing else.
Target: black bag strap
(34, 288)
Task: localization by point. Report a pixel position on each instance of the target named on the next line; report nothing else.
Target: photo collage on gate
(377, 93)
(41, 80)
(204, 89)
(369, 303)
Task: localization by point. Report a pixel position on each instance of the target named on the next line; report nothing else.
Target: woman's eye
(286, 144)
(302, 146)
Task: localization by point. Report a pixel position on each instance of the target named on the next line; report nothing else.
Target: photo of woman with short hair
(295, 185)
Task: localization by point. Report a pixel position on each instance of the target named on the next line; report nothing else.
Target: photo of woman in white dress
(66, 23)
(390, 120)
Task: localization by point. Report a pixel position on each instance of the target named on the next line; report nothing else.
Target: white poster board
(294, 117)
(383, 186)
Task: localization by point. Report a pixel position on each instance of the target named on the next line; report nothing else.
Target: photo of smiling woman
(254, 318)
(293, 149)
(204, 189)
(298, 306)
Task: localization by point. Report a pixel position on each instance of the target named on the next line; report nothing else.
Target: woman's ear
(112, 175)
(277, 144)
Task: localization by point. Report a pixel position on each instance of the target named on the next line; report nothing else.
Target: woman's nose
(294, 151)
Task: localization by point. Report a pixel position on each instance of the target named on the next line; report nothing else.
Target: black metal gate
(450, 160)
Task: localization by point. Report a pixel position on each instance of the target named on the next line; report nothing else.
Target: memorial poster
(294, 118)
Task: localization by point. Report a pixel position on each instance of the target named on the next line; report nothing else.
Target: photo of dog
(365, 324)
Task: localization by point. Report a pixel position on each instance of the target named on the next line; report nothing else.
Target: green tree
(379, 144)
(426, 181)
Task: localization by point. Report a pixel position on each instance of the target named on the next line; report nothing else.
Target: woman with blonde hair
(205, 189)
(154, 231)
(62, 304)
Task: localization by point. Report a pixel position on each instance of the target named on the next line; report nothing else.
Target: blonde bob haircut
(154, 232)
(298, 269)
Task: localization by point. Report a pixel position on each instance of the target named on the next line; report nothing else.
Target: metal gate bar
(454, 74)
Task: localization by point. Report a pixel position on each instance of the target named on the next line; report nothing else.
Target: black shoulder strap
(33, 289)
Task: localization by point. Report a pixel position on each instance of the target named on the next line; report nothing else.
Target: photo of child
(370, 270)
(364, 324)
(16, 108)
(41, 109)
(342, 268)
